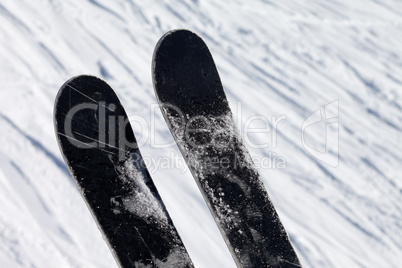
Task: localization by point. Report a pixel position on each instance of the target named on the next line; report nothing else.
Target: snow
(140, 201)
(287, 58)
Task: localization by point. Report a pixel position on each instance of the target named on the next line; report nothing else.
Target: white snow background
(286, 58)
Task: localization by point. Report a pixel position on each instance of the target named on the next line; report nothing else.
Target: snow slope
(275, 59)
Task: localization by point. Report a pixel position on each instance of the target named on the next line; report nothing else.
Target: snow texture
(141, 201)
(286, 58)
(205, 161)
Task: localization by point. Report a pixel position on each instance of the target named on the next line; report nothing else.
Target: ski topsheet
(194, 105)
(100, 150)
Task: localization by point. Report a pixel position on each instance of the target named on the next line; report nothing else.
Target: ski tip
(183, 33)
(71, 81)
(71, 84)
(178, 47)
(89, 79)
(175, 32)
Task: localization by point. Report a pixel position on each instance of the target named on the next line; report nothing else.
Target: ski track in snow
(289, 58)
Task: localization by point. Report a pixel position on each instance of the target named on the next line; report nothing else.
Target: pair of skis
(100, 150)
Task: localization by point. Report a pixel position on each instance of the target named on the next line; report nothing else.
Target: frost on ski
(175, 259)
(219, 155)
(141, 202)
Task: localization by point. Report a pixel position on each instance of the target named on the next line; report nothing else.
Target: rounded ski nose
(170, 36)
(172, 47)
(64, 101)
(80, 90)
(86, 85)
(77, 90)
(90, 95)
(63, 98)
(183, 67)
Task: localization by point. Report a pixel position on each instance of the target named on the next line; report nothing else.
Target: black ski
(99, 148)
(192, 100)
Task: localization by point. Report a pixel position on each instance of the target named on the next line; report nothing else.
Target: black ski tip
(174, 32)
(75, 80)
(184, 74)
(98, 145)
(61, 103)
(178, 38)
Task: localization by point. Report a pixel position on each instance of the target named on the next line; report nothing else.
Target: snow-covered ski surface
(340, 61)
(195, 107)
(99, 148)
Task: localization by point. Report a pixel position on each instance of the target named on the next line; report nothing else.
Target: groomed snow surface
(284, 59)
